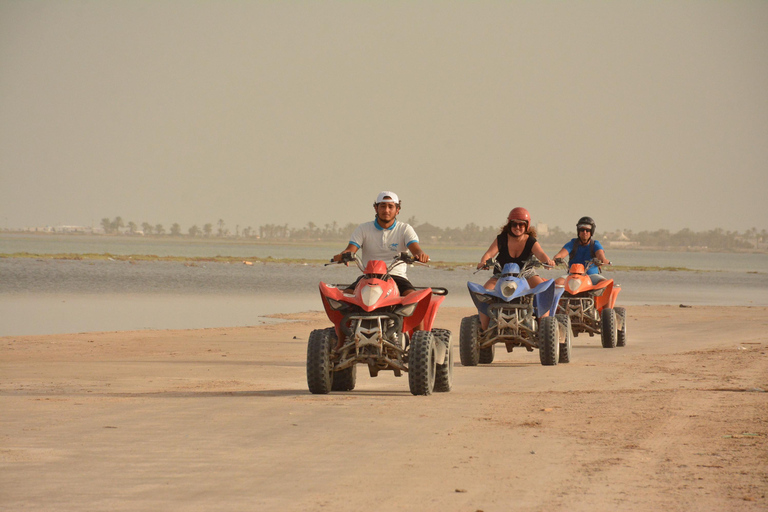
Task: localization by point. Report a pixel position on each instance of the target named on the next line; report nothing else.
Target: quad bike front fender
(431, 314)
(475, 288)
(614, 295)
(546, 296)
(423, 310)
(607, 298)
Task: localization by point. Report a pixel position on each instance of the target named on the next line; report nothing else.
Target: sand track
(220, 419)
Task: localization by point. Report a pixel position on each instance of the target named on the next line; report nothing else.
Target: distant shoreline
(334, 243)
(136, 258)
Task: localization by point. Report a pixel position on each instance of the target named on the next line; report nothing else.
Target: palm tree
(208, 229)
(159, 229)
(106, 225)
(175, 229)
(146, 227)
(117, 224)
(132, 227)
(221, 227)
(194, 231)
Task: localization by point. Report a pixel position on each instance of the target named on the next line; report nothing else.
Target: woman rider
(515, 244)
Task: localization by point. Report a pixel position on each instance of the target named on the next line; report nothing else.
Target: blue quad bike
(516, 318)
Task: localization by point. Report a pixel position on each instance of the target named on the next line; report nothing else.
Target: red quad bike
(591, 306)
(376, 326)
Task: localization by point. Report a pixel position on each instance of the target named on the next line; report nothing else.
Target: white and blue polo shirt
(377, 243)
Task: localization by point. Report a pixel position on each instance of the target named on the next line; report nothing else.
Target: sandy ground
(221, 419)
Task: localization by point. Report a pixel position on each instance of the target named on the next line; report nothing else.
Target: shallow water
(208, 248)
(61, 296)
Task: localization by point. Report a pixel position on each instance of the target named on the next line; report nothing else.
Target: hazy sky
(643, 114)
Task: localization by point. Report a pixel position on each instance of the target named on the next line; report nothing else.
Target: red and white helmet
(520, 214)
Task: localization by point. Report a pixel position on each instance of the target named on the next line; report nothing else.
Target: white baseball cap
(382, 197)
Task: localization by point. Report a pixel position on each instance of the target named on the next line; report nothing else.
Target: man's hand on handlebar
(343, 257)
(409, 258)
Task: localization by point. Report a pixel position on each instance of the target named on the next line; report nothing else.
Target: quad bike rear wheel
(549, 341)
(608, 329)
(444, 372)
(621, 329)
(422, 363)
(565, 336)
(319, 368)
(468, 338)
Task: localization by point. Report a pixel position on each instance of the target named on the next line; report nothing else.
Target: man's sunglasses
(585, 229)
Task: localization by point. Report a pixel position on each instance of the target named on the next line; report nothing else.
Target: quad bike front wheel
(565, 338)
(444, 372)
(621, 328)
(608, 328)
(468, 339)
(422, 363)
(319, 367)
(345, 380)
(549, 340)
(486, 354)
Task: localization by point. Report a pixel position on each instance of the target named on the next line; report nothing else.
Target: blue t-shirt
(583, 254)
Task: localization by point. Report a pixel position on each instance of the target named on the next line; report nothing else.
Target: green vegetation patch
(442, 265)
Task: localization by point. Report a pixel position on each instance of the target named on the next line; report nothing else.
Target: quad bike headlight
(335, 305)
(407, 310)
(508, 288)
(598, 293)
(574, 285)
(371, 294)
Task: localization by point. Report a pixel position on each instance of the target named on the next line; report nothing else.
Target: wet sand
(221, 419)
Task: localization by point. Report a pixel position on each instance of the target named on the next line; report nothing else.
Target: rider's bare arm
(492, 251)
(420, 255)
(539, 252)
(601, 256)
(562, 253)
(350, 248)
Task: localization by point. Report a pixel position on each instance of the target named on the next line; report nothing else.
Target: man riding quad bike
(373, 324)
(590, 304)
(519, 316)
